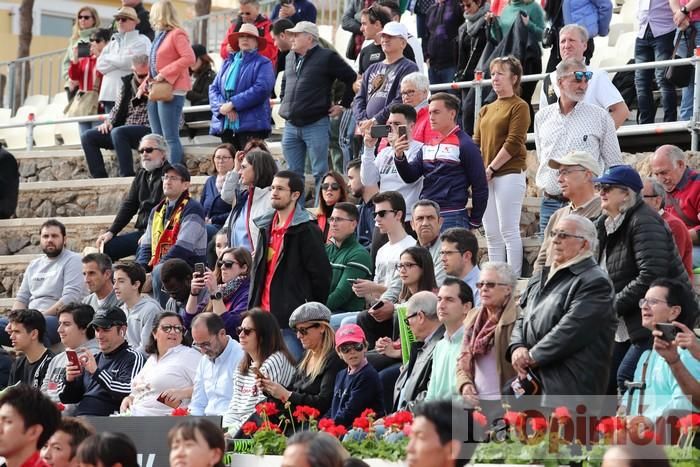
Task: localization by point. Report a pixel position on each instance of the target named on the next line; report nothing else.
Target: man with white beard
(146, 191)
(571, 125)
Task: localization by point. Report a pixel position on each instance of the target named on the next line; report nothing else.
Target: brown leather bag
(161, 91)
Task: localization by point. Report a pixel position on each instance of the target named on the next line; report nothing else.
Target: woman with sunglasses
(216, 210)
(86, 23)
(500, 132)
(166, 380)
(266, 357)
(313, 383)
(247, 188)
(333, 191)
(227, 287)
(483, 367)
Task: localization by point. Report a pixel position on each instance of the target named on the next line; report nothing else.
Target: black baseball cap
(181, 170)
(112, 316)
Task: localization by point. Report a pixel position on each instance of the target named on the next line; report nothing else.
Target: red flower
(689, 422)
(538, 424)
(362, 423)
(561, 413)
(270, 426)
(266, 408)
(368, 413)
(514, 418)
(648, 435)
(338, 431)
(479, 418)
(326, 424)
(609, 425)
(398, 419)
(303, 413)
(60, 407)
(179, 412)
(249, 428)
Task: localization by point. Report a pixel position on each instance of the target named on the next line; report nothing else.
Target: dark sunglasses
(226, 264)
(347, 347)
(488, 285)
(143, 76)
(122, 19)
(581, 75)
(84, 17)
(560, 234)
(383, 212)
(332, 186)
(408, 318)
(176, 328)
(148, 150)
(305, 330)
(244, 331)
(606, 187)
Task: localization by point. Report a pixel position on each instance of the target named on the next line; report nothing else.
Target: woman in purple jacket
(227, 289)
(240, 94)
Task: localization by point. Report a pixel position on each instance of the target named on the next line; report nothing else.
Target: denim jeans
(547, 208)
(314, 138)
(455, 219)
(342, 318)
(123, 140)
(441, 76)
(628, 365)
(650, 49)
(165, 120)
(688, 91)
(293, 344)
(123, 245)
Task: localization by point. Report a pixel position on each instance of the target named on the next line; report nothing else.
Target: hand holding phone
(379, 131)
(72, 357)
(668, 331)
(199, 269)
(170, 401)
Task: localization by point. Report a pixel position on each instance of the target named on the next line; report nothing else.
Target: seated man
(97, 273)
(455, 299)
(176, 276)
(213, 382)
(145, 192)
(141, 310)
(349, 260)
(26, 329)
(422, 318)
(459, 251)
(99, 384)
(29, 419)
(364, 193)
(61, 448)
(175, 229)
(670, 373)
(123, 129)
(50, 281)
(76, 333)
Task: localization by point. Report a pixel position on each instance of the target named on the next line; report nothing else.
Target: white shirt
(600, 92)
(388, 257)
(174, 370)
(213, 382)
(115, 61)
(381, 171)
(586, 128)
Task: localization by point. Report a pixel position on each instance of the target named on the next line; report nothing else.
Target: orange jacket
(173, 59)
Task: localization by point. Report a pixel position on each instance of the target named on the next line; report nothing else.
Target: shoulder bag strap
(644, 384)
(677, 208)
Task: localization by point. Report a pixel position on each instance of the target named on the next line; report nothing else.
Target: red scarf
(164, 235)
(478, 340)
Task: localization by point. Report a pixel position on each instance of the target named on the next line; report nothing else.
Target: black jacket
(306, 98)
(144, 27)
(9, 184)
(122, 108)
(199, 94)
(317, 392)
(568, 325)
(146, 191)
(639, 251)
(303, 273)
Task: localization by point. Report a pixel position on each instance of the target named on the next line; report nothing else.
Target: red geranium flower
(480, 418)
(689, 422)
(538, 424)
(561, 413)
(325, 424)
(303, 413)
(179, 412)
(514, 418)
(362, 423)
(270, 426)
(610, 424)
(338, 431)
(249, 428)
(266, 408)
(398, 419)
(368, 413)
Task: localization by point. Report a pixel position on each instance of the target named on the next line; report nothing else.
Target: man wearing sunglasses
(571, 125)
(573, 44)
(123, 129)
(145, 192)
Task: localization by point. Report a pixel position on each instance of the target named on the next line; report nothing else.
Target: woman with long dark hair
(417, 272)
(333, 191)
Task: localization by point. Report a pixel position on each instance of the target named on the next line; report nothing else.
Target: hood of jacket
(300, 216)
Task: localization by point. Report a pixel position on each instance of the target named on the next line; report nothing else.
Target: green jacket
(349, 261)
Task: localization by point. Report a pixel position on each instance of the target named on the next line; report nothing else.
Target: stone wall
(24, 239)
(10, 279)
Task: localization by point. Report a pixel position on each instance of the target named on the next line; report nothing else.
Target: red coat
(264, 26)
(174, 58)
(85, 72)
(681, 237)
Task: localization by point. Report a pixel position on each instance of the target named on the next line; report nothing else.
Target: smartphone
(352, 281)
(83, 49)
(668, 331)
(379, 131)
(523, 14)
(199, 269)
(174, 404)
(72, 357)
(402, 131)
(377, 305)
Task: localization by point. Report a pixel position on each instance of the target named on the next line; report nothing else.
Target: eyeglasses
(650, 301)
(304, 331)
(245, 331)
(222, 158)
(122, 19)
(333, 220)
(488, 284)
(408, 93)
(383, 212)
(202, 345)
(228, 264)
(348, 346)
(401, 266)
(606, 187)
(146, 150)
(412, 315)
(84, 17)
(651, 196)
(560, 234)
(330, 186)
(142, 77)
(449, 252)
(566, 172)
(173, 178)
(176, 328)
(581, 75)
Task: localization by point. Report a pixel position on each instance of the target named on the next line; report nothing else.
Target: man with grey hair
(565, 334)
(415, 90)
(654, 195)
(571, 125)
(122, 130)
(682, 185)
(573, 44)
(145, 192)
(576, 171)
(421, 317)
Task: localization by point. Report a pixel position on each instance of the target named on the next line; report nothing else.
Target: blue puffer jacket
(251, 99)
(594, 15)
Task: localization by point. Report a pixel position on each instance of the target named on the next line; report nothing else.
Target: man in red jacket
(249, 12)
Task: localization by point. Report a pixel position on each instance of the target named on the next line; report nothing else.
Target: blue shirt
(365, 224)
(471, 279)
(213, 382)
(239, 232)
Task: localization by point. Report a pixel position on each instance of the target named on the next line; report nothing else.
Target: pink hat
(349, 333)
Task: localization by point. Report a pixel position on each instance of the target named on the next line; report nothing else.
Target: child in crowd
(357, 388)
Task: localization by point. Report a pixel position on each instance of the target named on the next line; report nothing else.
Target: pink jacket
(173, 59)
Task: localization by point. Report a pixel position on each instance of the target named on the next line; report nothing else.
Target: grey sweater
(48, 280)
(139, 322)
(109, 301)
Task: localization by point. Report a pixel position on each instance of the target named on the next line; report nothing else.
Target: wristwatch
(685, 11)
(216, 296)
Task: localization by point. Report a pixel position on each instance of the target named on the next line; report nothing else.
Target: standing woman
(86, 23)
(333, 191)
(170, 60)
(240, 94)
(500, 132)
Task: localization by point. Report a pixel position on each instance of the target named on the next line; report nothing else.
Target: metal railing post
(11, 84)
(478, 77)
(30, 131)
(696, 103)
